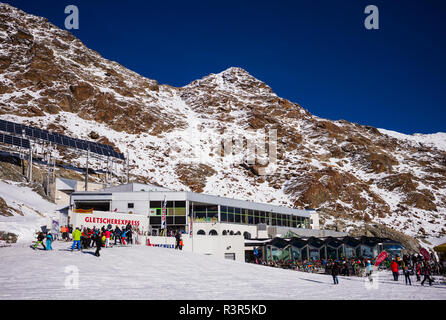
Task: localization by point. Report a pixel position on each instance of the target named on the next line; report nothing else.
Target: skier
(394, 267)
(369, 270)
(418, 271)
(335, 272)
(123, 233)
(98, 241)
(178, 239)
(427, 274)
(49, 239)
(107, 238)
(117, 235)
(40, 238)
(407, 275)
(76, 239)
(129, 233)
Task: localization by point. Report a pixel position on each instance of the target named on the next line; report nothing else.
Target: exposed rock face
(194, 176)
(9, 237)
(381, 231)
(350, 172)
(6, 211)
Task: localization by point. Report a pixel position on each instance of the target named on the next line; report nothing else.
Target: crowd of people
(408, 266)
(84, 238)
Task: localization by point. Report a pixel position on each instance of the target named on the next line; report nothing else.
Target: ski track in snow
(140, 272)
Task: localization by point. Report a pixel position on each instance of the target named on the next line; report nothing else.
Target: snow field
(139, 272)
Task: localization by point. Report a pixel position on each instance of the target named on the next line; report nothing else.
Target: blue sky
(316, 53)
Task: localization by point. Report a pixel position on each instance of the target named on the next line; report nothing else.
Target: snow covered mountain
(350, 172)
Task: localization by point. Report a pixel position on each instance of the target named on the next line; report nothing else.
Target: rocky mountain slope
(353, 174)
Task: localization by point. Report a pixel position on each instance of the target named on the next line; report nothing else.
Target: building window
(130, 205)
(262, 218)
(246, 235)
(294, 221)
(250, 217)
(213, 233)
(212, 213)
(223, 213)
(230, 256)
(95, 205)
(237, 215)
(231, 214)
(256, 217)
(201, 232)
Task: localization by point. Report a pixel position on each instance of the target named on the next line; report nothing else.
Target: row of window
(209, 213)
(326, 252)
(213, 232)
(173, 208)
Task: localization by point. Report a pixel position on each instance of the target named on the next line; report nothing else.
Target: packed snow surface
(139, 272)
(36, 210)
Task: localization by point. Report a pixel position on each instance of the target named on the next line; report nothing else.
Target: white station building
(210, 224)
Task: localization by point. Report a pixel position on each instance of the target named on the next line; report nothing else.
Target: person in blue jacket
(369, 270)
(123, 234)
(49, 239)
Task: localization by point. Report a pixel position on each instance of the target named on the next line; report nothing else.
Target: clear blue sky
(316, 53)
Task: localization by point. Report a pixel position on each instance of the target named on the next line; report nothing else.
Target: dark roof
(333, 242)
(298, 242)
(350, 241)
(315, 242)
(279, 242)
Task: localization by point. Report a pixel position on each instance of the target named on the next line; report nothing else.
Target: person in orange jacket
(394, 267)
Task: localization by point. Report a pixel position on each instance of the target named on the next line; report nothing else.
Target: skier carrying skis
(40, 238)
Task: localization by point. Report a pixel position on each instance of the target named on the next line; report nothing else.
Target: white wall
(314, 218)
(220, 227)
(210, 245)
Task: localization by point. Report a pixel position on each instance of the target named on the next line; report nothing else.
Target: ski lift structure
(27, 142)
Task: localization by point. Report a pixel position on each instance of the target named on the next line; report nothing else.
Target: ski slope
(36, 211)
(140, 272)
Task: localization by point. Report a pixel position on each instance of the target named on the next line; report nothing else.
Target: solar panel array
(15, 141)
(60, 139)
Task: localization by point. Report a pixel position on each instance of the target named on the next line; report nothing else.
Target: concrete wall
(209, 245)
(220, 227)
(63, 188)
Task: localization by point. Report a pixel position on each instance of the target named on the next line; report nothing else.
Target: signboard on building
(114, 219)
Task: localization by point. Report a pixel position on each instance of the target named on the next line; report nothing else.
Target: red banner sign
(425, 254)
(382, 256)
(111, 221)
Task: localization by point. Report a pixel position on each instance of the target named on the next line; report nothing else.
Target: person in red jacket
(394, 267)
(107, 238)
